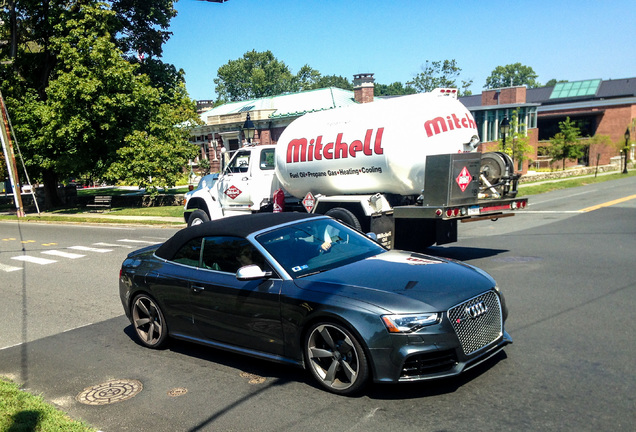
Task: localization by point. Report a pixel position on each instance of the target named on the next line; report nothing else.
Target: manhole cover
(179, 391)
(109, 392)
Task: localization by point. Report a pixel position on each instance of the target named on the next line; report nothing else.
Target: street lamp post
(626, 149)
(248, 129)
(504, 127)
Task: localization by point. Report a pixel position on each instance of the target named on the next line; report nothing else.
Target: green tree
(517, 142)
(154, 155)
(512, 75)
(565, 144)
(255, 75)
(75, 100)
(333, 81)
(305, 79)
(440, 74)
(395, 89)
(554, 82)
(142, 26)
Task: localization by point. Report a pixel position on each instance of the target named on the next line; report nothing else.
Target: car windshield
(316, 246)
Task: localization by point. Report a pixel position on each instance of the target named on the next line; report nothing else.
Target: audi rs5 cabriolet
(309, 291)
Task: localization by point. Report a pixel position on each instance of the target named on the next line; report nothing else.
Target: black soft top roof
(235, 226)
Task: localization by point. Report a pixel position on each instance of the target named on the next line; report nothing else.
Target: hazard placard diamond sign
(463, 179)
(309, 201)
(232, 192)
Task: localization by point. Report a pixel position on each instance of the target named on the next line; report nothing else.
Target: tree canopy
(440, 74)
(565, 144)
(512, 75)
(81, 106)
(261, 74)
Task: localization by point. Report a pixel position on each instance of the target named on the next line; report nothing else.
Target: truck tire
(344, 216)
(198, 217)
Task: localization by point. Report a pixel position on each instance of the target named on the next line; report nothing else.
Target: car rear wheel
(148, 321)
(336, 358)
(198, 217)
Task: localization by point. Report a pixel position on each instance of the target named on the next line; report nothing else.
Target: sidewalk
(92, 215)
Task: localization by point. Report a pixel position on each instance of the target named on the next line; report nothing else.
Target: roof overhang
(566, 113)
(239, 118)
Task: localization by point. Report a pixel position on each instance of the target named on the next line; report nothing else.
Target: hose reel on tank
(497, 178)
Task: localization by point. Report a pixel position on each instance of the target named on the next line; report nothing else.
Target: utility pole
(7, 148)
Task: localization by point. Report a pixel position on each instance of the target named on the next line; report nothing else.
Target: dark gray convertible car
(309, 291)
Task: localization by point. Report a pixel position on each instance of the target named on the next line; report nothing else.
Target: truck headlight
(409, 323)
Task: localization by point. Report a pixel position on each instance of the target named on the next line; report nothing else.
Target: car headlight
(409, 323)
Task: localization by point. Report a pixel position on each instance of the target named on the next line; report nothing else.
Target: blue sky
(571, 40)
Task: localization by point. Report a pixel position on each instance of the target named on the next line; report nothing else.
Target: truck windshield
(316, 246)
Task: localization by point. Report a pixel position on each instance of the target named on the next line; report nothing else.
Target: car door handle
(197, 289)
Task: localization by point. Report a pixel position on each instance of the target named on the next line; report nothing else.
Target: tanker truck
(405, 169)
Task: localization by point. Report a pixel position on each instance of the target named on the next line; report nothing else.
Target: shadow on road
(464, 253)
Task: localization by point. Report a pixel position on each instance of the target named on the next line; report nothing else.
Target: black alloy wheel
(149, 322)
(336, 359)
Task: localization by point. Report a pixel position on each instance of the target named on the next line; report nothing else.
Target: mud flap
(383, 228)
(445, 231)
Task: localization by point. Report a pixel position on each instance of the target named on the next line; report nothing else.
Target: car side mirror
(373, 236)
(252, 272)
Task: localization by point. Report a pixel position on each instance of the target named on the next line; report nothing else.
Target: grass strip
(92, 220)
(22, 411)
(528, 189)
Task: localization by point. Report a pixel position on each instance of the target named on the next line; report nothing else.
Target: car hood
(402, 282)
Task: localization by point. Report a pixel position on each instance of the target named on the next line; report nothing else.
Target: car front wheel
(148, 321)
(198, 217)
(336, 359)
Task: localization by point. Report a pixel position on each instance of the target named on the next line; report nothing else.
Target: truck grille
(477, 322)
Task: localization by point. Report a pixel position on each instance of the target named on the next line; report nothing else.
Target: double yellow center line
(607, 204)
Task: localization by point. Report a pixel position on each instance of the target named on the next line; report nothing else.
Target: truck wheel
(198, 217)
(344, 216)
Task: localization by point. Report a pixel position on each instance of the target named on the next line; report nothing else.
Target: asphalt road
(566, 266)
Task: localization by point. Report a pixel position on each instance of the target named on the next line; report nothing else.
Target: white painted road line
(34, 260)
(8, 268)
(90, 249)
(62, 254)
(139, 241)
(113, 245)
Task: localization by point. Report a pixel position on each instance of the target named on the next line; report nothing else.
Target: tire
(336, 359)
(344, 216)
(198, 217)
(149, 322)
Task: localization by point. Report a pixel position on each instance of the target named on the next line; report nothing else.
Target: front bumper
(458, 343)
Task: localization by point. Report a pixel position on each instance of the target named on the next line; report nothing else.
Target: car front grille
(477, 322)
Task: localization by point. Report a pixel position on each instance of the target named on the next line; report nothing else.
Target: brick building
(599, 107)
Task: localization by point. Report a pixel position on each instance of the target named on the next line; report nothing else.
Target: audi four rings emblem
(476, 310)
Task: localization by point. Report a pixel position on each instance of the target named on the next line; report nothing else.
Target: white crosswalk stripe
(8, 268)
(139, 241)
(100, 248)
(90, 249)
(113, 245)
(34, 260)
(62, 254)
